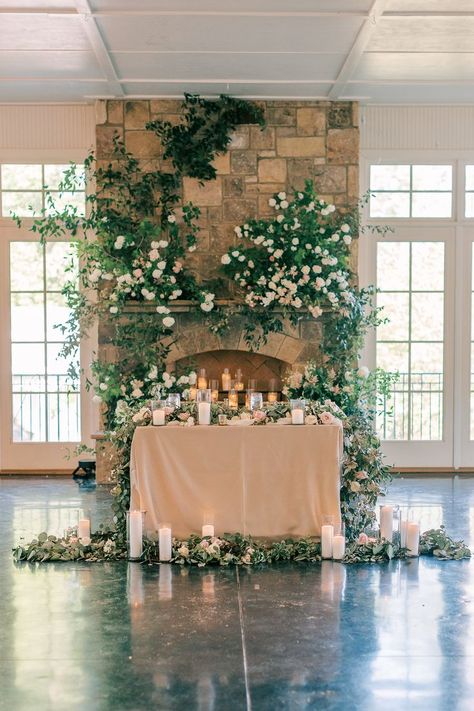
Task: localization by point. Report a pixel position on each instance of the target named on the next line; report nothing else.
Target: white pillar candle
(135, 534)
(207, 530)
(84, 528)
(297, 416)
(204, 413)
(327, 533)
(413, 538)
(164, 543)
(403, 533)
(159, 417)
(386, 522)
(338, 547)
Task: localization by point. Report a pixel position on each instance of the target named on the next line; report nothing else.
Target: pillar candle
(327, 533)
(338, 547)
(226, 380)
(233, 400)
(386, 522)
(207, 530)
(135, 534)
(272, 397)
(84, 528)
(202, 379)
(164, 543)
(159, 417)
(297, 416)
(215, 396)
(403, 533)
(413, 538)
(204, 413)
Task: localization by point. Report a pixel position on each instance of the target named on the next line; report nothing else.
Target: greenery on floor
(230, 550)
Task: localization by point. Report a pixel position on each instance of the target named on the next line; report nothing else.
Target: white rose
(207, 306)
(103, 386)
(345, 228)
(280, 218)
(162, 310)
(154, 255)
(113, 309)
(347, 239)
(171, 219)
(282, 196)
(284, 204)
(363, 372)
(311, 420)
(156, 274)
(168, 321)
(161, 265)
(119, 242)
(272, 202)
(162, 243)
(355, 487)
(305, 269)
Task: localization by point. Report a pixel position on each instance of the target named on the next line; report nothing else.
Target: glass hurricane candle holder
(135, 530)
(214, 385)
(390, 524)
(222, 420)
(174, 400)
(233, 399)
(226, 380)
(239, 381)
(158, 412)
(339, 542)
(202, 379)
(256, 401)
(298, 408)
(203, 399)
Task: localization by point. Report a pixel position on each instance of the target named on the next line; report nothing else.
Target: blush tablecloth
(266, 481)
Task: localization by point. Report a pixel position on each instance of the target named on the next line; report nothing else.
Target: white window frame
(459, 450)
(36, 457)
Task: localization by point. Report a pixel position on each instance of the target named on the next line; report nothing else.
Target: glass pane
(428, 266)
(431, 204)
(22, 204)
(61, 383)
(426, 406)
(56, 363)
(28, 383)
(26, 266)
(27, 317)
(21, 177)
(427, 317)
(57, 313)
(54, 174)
(389, 177)
(29, 419)
(390, 205)
(393, 357)
(59, 256)
(469, 177)
(63, 418)
(469, 211)
(62, 200)
(393, 261)
(395, 308)
(427, 358)
(28, 358)
(432, 177)
(393, 422)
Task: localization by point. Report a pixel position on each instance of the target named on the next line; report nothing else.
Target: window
(45, 401)
(23, 188)
(410, 276)
(404, 191)
(469, 194)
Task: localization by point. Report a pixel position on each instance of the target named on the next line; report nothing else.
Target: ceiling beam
(99, 47)
(357, 50)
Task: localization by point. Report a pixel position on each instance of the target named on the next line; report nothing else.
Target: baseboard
(433, 471)
(35, 472)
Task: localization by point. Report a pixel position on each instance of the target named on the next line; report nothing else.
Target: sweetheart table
(266, 481)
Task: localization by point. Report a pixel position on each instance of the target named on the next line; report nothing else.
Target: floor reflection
(130, 636)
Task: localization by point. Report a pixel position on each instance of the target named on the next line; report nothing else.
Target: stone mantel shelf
(186, 306)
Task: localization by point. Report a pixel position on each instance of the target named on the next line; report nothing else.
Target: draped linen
(266, 481)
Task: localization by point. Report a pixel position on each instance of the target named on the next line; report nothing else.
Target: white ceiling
(381, 51)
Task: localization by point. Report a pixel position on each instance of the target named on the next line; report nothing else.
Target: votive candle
(297, 416)
(164, 542)
(159, 417)
(207, 530)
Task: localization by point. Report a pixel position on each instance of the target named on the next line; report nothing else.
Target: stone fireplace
(302, 140)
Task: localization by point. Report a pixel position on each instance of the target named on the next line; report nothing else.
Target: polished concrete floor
(98, 637)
